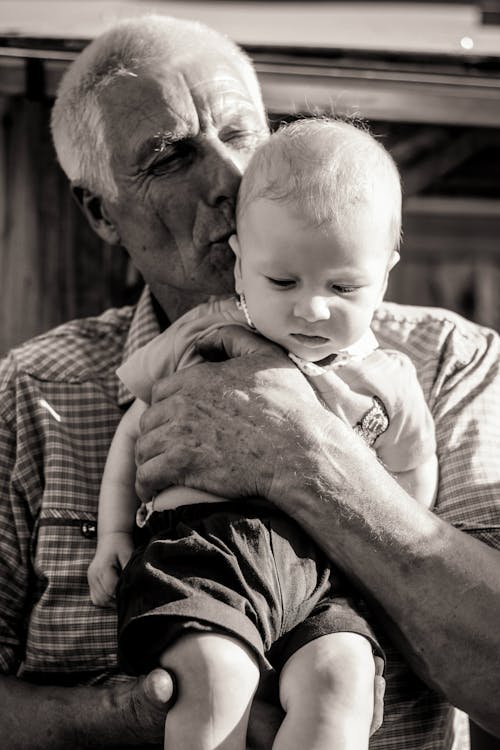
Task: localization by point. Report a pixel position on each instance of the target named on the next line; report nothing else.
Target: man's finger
(166, 387)
(159, 687)
(151, 441)
(150, 478)
(230, 342)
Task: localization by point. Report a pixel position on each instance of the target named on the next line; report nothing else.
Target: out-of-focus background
(426, 76)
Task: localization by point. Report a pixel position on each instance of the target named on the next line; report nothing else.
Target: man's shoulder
(70, 352)
(422, 332)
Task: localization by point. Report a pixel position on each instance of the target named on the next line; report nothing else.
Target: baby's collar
(361, 348)
(357, 351)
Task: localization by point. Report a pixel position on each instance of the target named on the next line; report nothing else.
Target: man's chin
(221, 268)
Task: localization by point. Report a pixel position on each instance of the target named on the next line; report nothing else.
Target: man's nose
(312, 309)
(223, 175)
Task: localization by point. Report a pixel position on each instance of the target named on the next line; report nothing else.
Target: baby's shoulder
(391, 362)
(394, 376)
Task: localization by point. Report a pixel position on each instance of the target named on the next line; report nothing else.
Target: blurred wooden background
(437, 109)
(425, 75)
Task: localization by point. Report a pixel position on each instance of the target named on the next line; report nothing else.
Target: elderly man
(154, 124)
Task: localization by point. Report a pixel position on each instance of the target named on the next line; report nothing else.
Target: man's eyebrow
(158, 143)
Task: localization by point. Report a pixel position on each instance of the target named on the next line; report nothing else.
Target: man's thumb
(230, 342)
(158, 687)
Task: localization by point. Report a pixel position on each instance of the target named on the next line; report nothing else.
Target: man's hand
(127, 715)
(234, 341)
(144, 705)
(236, 428)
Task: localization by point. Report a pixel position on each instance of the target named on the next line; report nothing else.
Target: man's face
(311, 289)
(180, 139)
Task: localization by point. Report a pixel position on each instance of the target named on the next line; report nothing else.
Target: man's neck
(161, 315)
(171, 303)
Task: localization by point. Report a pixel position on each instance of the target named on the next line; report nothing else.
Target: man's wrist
(80, 718)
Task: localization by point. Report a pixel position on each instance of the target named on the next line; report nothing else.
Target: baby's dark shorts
(242, 568)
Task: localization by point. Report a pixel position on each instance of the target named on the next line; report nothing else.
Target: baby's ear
(392, 262)
(235, 247)
(234, 244)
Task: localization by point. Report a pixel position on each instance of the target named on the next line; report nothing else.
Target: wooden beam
(443, 156)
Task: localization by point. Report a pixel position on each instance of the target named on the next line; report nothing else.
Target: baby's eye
(341, 289)
(281, 282)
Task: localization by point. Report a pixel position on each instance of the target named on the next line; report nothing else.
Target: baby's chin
(315, 355)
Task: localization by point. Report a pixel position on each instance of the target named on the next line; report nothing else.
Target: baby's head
(318, 228)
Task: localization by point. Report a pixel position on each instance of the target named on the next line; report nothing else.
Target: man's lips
(222, 239)
(304, 338)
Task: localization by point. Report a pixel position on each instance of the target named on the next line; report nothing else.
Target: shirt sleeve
(467, 416)
(148, 364)
(410, 439)
(15, 540)
(175, 348)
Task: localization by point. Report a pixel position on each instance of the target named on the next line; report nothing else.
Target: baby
(224, 590)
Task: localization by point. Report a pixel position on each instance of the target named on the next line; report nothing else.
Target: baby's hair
(126, 50)
(324, 167)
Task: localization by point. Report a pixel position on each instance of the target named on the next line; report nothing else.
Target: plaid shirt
(60, 404)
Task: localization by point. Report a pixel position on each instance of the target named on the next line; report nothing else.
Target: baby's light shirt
(387, 375)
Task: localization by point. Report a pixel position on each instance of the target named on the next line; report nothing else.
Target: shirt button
(89, 529)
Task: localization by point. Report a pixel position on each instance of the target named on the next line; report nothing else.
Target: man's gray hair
(77, 120)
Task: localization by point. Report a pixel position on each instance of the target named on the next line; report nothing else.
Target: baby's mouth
(304, 338)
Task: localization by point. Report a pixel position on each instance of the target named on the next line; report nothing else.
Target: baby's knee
(199, 660)
(335, 667)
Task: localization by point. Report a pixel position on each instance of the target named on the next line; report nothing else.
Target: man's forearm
(57, 718)
(438, 588)
(34, 717)
(39, 717)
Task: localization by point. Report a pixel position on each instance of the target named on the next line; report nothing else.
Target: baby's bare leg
(216, 678)
(326, 689)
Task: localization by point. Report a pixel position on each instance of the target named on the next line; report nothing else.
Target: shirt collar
(143, 328)
(360, 349)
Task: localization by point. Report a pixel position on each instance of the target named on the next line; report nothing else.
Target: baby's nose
(312, 309)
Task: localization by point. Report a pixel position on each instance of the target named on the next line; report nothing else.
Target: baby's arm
(117, 508)
(421, 482)
(408, 448)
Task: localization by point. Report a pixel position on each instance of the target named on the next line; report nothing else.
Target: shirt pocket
(65, 631)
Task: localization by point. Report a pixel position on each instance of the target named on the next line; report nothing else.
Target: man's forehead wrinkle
(221, 86)
(163, 117)
(222, 109)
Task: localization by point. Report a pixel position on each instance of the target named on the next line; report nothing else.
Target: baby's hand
(113, 553)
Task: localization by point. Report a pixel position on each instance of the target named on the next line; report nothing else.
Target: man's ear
(94, 209)
(235, 247)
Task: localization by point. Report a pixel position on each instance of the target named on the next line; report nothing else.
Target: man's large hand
(146, 702)
(232, 427)
(128, 715)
